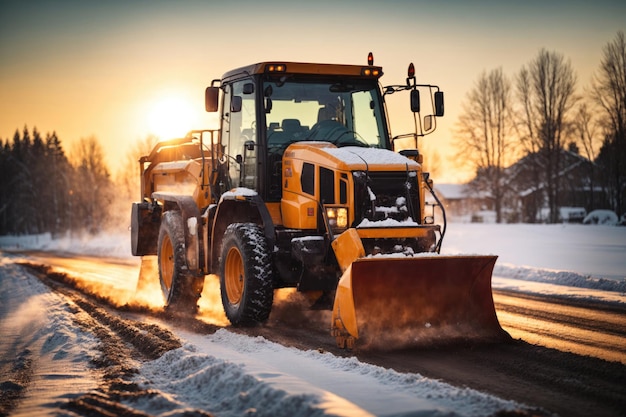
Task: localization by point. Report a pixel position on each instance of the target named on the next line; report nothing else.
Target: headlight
(337, 218)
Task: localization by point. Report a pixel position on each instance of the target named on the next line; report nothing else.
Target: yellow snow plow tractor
(304, 186)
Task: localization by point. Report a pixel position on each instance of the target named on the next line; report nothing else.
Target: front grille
(386, 195)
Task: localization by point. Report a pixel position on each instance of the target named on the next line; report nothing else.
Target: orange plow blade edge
(389, 302)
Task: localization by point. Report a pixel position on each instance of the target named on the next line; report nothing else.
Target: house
(525, 192)
(461, 204)
(577, 188)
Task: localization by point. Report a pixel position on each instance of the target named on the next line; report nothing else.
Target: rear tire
(246, 275)
(178, 286)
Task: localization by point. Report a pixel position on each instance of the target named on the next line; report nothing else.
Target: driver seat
(328, 112)
(291, 127)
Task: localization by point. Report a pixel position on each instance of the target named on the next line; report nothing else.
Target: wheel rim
(233, 276)
(167, 264)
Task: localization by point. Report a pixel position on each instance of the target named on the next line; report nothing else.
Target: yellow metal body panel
(392, 232)
(177, 177)
(348, 248)
(344, 322)
(341, 161)
(181, 178)
(275, 213)
(299, 211)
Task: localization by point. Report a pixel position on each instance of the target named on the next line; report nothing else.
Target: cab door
(239, 138)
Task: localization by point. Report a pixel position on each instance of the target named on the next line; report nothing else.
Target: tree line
(43, 190)
(538, 116)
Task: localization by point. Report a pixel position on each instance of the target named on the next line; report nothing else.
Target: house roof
(451, 191)
(570, 162)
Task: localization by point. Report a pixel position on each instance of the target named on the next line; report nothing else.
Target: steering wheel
(332, 131)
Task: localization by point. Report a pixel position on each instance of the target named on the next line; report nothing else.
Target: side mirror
(439, 103)
(410, 153)
(248, 88)
(236, 104)
(211, 95)
(429, 123)
(415, 101)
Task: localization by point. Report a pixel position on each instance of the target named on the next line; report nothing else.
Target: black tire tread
(258, 294)
(183, 295)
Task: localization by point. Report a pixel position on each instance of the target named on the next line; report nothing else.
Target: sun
(171, 116)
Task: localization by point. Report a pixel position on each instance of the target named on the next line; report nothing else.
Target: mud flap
(394, 302)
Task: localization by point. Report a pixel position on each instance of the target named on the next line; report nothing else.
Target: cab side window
(239, 125)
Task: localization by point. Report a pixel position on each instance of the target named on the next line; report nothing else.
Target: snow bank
(215, 385)
(233, 375)
(605, 217)
(40, 337)
(115, 245)
(564, 278)
(565, 254)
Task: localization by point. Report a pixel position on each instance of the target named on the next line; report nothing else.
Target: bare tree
(127, 177)
(484, 134)
(609, 88)
(432, 160)
(128, 182)
(92, 187)
(586, 130)
(545, 90)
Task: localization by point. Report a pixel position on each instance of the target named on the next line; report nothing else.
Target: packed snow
(231, 375)
(238, 192)
(568, 260)
(37, 330)
(280, 381)
(605, 217)
(354, 155)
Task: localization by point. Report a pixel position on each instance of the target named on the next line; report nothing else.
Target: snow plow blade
(389, 302)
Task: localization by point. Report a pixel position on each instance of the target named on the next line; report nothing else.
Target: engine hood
(350, 158)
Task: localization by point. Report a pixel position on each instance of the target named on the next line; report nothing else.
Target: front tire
(246, 275)
(178, 286)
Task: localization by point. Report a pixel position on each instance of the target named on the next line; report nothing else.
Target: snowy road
(63, 348)
(589, 329)
(584, 328)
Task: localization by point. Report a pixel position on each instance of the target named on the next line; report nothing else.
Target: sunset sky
(120, 70)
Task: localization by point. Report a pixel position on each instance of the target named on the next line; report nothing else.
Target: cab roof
(279, 67)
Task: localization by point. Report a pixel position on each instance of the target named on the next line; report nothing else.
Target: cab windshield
(345, 113)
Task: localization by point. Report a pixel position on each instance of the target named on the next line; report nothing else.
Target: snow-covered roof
(451, 191)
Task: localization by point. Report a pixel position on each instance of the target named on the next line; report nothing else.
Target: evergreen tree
(21, 183)
(36, 184)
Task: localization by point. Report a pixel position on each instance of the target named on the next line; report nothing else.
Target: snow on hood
(372, 156)
(358, 157)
